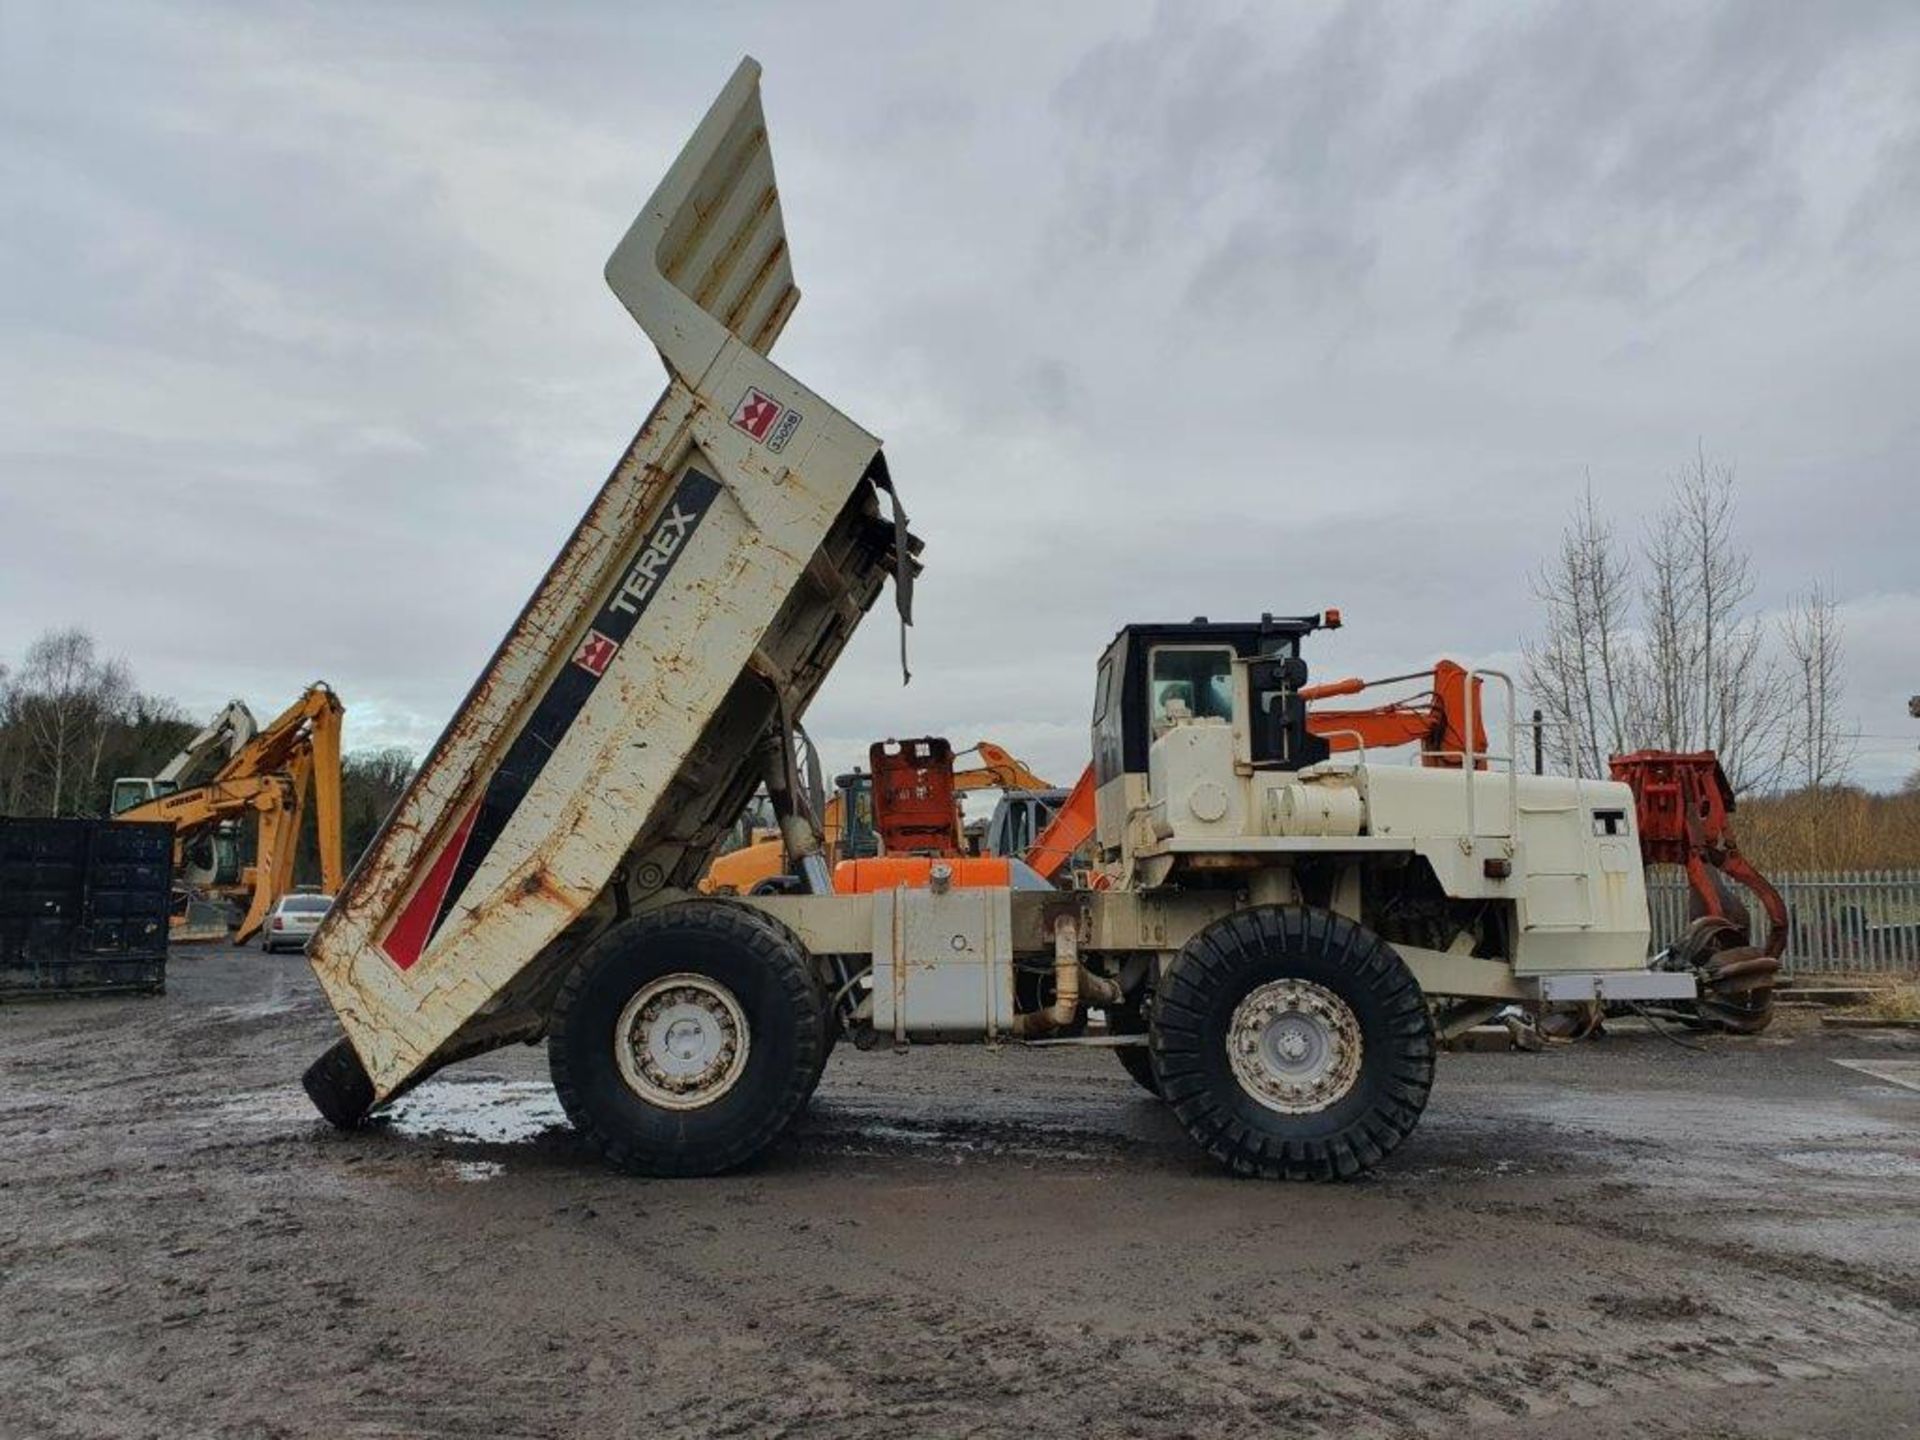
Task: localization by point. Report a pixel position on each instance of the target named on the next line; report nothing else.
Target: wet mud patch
(1653, 1308)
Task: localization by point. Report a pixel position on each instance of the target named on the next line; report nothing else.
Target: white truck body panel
(1577, 881)
(704, 554)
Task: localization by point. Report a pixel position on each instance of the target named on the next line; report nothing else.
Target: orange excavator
(269, 776)
(1440, 720)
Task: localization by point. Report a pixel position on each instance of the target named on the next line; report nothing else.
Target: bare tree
(1820, 744)
(65, 700)
(1583, 672)
(1672, 658)
(13, 750)
(1708, 681)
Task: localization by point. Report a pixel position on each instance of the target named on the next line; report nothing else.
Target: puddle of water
(882, 1137)
(477, 1112)
(470, 1171)
(1869, 1164)
(266, 1009)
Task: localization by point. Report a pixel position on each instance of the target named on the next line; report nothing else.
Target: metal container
(83, 907)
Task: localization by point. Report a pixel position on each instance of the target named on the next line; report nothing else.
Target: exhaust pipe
(1070, 980)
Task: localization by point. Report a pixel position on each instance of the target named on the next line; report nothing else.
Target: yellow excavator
(847, 829)
(268, 774)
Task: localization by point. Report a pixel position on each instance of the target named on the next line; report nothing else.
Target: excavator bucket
(668, 652)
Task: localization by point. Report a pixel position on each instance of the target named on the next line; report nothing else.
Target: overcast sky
(307, 365)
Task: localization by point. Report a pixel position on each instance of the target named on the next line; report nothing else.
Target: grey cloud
(1161, 310)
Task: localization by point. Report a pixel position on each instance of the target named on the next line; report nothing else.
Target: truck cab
(1153, 678)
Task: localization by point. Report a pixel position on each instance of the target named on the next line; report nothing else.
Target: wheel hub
(681, 1041)
(1294, 1046)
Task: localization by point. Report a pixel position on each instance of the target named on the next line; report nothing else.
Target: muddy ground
(1623, 1239)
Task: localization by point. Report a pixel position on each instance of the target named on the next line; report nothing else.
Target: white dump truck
(1273, 935)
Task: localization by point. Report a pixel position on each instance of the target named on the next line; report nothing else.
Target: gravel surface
(1625, 1238)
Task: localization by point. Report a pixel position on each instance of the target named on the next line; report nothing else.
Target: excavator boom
(1071, 827)
(998, 770)
(269, 777)
(1439, 721)
(230, 730)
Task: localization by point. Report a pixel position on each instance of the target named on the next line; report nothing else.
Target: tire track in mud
(831, 1357)
(956, 1244)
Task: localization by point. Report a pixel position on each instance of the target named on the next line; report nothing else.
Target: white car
(293, 922)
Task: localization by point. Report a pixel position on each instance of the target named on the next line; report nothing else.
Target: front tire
(686, 1040)
(1292, 1044)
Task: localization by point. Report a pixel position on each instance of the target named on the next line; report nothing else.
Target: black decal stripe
(553, 717)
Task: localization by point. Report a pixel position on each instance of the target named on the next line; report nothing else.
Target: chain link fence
(1860, 921)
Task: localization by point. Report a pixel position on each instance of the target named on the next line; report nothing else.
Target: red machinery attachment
(1684, 806)
(915, 805)
(916, 814)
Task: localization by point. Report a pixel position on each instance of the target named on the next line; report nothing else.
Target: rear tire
(1293, 1044)
(1136, 1060)
(686, 1040)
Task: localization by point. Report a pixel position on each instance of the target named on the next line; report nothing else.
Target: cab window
(1190, 681)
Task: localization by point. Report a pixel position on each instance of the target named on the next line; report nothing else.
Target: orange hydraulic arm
(1437, 721)
(1070, 828)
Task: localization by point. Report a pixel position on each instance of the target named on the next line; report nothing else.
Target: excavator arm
(230, 730)
(997, 770)
(1439, 721)
(270, 777)
(1070, 828)
(302, 741)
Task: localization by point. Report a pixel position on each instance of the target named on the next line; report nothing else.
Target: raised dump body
(632, 707)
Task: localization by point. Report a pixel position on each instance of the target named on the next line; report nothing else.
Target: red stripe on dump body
(411, 931)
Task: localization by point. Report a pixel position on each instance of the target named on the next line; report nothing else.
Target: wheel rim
(1294, 1046)
(681, 1042)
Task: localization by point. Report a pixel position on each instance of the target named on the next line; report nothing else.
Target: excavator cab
(858, 839)
(132, 790)
(1018, 820)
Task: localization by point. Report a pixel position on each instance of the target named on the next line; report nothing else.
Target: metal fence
(1856, 921)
